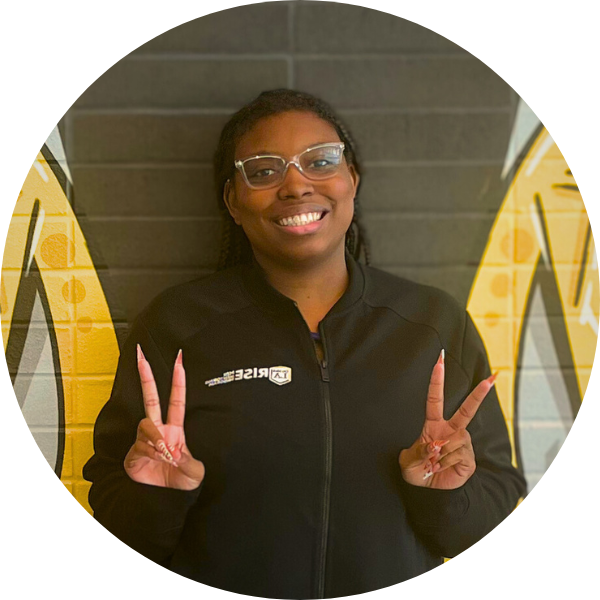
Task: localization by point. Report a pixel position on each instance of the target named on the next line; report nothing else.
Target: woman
(322, 439)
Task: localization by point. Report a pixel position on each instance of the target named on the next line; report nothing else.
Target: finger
(172, 449)
(458, 440)
(143, 437)
(149, 390)
(144, 449)
(417, 455)
(435, 393)
(436, 446)
(462, 456)
(149, 434)
(467, 410)
(176, 413)
(140, 451)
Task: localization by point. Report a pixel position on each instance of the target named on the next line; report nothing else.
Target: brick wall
(432, 123)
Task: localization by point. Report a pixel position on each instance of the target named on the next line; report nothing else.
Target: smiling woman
(247, 135)
(274, 214)
(336, 429)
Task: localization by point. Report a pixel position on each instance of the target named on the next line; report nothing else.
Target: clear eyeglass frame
(240, 164)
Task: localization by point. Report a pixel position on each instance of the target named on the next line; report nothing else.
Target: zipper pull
(324, 371)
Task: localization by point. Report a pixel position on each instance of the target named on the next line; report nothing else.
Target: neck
(315, 287)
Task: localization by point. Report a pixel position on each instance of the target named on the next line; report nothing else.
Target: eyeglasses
(266, 171)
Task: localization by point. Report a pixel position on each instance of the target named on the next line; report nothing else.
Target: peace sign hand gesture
(443, 458)
(159, 455)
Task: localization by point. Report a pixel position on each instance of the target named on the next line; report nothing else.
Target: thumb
(415, 455)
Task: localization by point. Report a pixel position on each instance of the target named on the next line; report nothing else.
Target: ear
(230, 200)
(355, 177)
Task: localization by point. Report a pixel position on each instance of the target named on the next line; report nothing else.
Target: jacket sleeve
(147, 518)
(450, 521)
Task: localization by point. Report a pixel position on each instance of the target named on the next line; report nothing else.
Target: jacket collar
(265, 295)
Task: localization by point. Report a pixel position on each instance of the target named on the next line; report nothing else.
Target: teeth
(303, 219)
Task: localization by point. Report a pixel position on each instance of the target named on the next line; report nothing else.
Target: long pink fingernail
(492, 378)
(162, 448)
(441, 357)
(179, 359)
(167, 460)
(140, 354)
(428, 469)
(436, 445)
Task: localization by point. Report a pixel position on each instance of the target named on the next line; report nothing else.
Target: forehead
(286, 134)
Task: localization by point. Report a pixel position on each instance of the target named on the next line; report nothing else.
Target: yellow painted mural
(58, 333)
(535, 301)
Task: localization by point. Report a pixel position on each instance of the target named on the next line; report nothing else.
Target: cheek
(344, 193)
(249, 207)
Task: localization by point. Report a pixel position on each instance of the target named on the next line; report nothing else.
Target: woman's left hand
(443, 458)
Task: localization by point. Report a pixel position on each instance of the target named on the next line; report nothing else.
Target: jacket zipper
(324, 368)
(323, 365)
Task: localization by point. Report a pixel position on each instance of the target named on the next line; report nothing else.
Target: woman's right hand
(159, 456)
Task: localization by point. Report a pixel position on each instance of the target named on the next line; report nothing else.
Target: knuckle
(152, 400)
(464, 411)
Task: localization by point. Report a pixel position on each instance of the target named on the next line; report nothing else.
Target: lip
(299, 209)
(303, 229)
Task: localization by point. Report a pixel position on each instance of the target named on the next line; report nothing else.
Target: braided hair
(235, 247)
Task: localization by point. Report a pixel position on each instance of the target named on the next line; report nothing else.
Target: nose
(295, 184)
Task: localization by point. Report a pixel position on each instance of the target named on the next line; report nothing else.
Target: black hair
(235, 247)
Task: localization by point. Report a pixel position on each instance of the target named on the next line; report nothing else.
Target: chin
(308, 254)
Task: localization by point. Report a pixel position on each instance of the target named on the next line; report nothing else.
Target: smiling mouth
(301, 219)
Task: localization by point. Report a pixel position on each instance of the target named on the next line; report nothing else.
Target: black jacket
(303, 495)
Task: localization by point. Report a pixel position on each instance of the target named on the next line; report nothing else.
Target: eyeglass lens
(318, 163)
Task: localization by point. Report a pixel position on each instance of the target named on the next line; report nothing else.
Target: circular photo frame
(462, 188)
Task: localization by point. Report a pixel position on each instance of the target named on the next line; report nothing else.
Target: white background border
(52, 51)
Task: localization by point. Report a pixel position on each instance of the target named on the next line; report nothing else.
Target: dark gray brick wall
(329, 27)
(408, 82)
(172, 83)
(258, 28)
(432, 124)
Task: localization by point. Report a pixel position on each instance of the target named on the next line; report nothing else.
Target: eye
(320, 163)
(323, 164)
(263, 173)
(262, 169)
